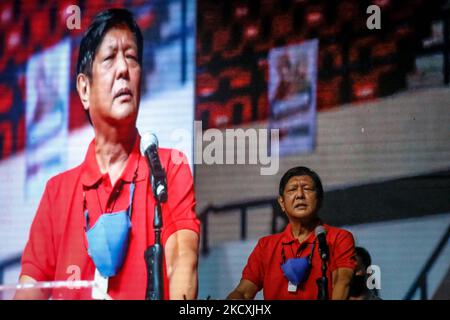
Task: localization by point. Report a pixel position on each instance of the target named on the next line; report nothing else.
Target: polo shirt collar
(288, 238)
(91, 172)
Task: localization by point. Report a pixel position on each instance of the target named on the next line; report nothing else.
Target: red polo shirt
(264, 264)
(57, 245)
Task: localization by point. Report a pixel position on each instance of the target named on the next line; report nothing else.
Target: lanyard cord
(132, 188)
(283, 255)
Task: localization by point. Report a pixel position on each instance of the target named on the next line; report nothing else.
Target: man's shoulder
(171, 154)
(172, 159)
(67, 177)
(270, 239)
(337, 232)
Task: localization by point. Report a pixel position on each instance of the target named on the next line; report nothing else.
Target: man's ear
(281, 203)
(83, 88)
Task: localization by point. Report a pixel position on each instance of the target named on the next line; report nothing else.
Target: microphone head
(320, 230)
(148, 140)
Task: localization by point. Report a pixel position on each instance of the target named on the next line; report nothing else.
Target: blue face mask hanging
(108, 239)
(296, 270)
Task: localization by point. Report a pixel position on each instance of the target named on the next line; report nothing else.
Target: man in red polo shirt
(103, 209)
(287, 265)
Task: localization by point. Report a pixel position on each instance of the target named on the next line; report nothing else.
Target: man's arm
(181, 253)
(341, 283)
(245, 290)
(30, 294)
(38, 258)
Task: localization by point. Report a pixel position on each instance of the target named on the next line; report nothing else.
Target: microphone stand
(322, 282)
(154, 254)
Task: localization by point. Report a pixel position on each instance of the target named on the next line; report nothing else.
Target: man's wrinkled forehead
(303, 179)
(111, 40)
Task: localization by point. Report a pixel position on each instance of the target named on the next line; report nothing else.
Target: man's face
(116, 79)
(299, 199)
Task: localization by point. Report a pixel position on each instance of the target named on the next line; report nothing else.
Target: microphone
(323, 246)
(149, 148)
